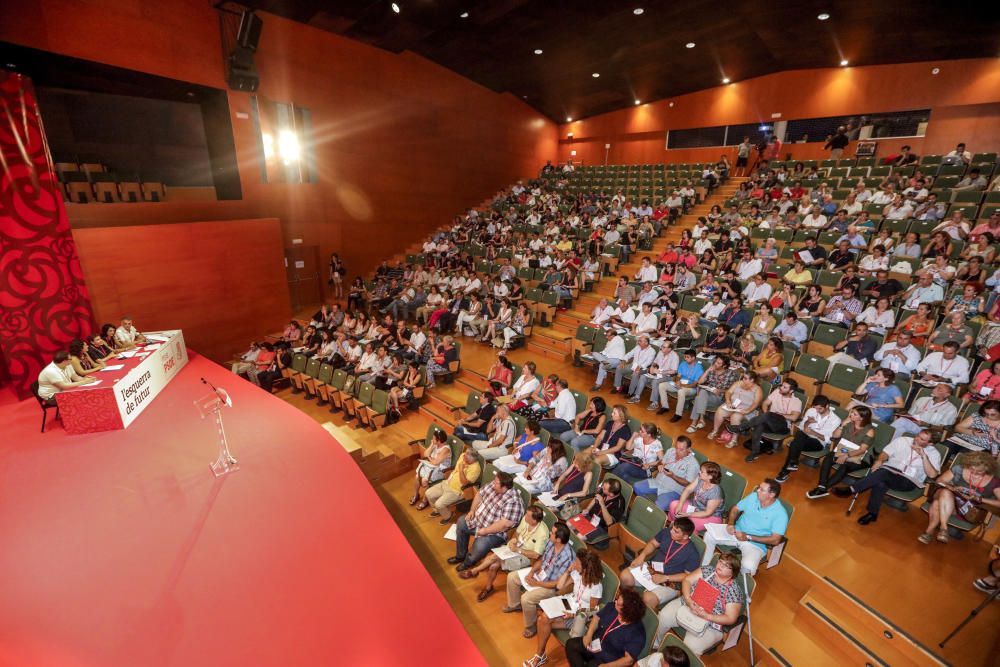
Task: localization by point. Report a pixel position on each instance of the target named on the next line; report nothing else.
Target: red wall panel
(222, 282)
(403, 144)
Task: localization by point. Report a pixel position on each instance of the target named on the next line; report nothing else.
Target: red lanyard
(574, 473)
(612, 627)
(670, 554)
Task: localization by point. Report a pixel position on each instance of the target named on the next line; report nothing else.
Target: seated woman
(711, 599)
(108, 336)
(641, 454)
(619, 627)
(979, 245)
(880, 394)
(971, 483)
(798, 274)
(587, 425)
(856, 430)
(99, 350)
(613, 438)
(746, 349)
(763, 322)
(983, 428)
(518, 323)
(770, 362)
(742, 400)
(584, 581)
(953, 329)
(402, 392)
(985, 384)
(537, 405)
(702, 500)
(544, 468)
(969, 302)
(525, 448)
(880, 317)
(876, 261)
(528, 544)
(440, 362)
(435, 460)
(920, 325)
(574, 483)
(81, 361)
(812, 304)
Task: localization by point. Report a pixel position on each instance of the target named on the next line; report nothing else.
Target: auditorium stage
(121, 548)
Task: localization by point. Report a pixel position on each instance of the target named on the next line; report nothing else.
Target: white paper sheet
(642, 577)
(452, 533)
(554, 607)
(115, 367)
(522, 574)
(504, 552)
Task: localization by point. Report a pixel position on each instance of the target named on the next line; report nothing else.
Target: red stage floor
(120, 548)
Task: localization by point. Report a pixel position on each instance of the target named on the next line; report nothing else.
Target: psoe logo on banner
(168, 359)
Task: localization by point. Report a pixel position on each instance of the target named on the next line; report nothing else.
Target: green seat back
(673, 640)
(734, 486)
(366, 393)
(472, 402)
(380, 402)
(649, 622)
(609, 585)
(339, 379)
(846, 377)
(828, 334)
(325, 373)
(586, 333)
(299, 362)
(312, 367)
(645, 519)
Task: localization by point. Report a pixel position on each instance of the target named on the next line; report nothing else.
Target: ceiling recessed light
(671, 104)
(843, 63)
(690, 45)
(936, 70)
(395, 7)
(463, 15)
(596, 75)
(538, 52)
(726, 80)
(823, 17)
(569, 120)
(637, 102)
(638, 11)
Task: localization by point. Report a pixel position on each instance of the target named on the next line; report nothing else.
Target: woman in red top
(985, 384)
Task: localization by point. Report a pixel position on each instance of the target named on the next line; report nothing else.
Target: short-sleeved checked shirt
(553, 564)
(494, 506)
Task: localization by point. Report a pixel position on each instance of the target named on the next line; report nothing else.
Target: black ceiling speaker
(241, 73)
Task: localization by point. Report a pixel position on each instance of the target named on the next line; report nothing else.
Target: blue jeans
(480, 545)
(579, 442)
(629, 472)
(663, 500)
(555, 426)
(468, 435)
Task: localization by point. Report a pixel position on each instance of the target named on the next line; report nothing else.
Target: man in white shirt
(899, 356)
(623, 317)
(814, 219)
(59, 376)
(748, 267)
(899, 209)
(564, 411)
(790, 330)
(645, 322)
(609, 358)
(757, 291)
(663, 367)
(647, 294)
(904, 465)
(960, 152)
(924, 291)
(127, 336)
(637, 360)
(928, 412)
(684, 280)
(711, 310)
(647, 272)
(602, 313)
(814, 433)
(884, 197)
(945, 366)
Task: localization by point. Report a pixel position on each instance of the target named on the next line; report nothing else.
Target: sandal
(529, 633)
(943, 538)
(414, 499)
(694, 428)
(467, 574)
(925, 538)
(713, 435)
(485, 593)
(536, 661)
(422, 505)
(434, 513)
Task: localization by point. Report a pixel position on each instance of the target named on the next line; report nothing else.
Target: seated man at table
(670, 556)
(449, 492)
(543, 576)
(59, 376)
(755, 523)
(496, 509)
(127, 336)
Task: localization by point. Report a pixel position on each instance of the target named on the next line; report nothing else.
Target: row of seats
(92, 182)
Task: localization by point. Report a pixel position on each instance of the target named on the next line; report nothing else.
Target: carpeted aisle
(121, 548)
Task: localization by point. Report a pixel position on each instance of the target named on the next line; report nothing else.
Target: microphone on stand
(221, 393)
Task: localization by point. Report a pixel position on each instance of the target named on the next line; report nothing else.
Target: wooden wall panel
(963, 100)
(222, 282)
(403, 144)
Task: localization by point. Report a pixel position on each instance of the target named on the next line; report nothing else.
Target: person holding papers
(944, 366)
(855, 437)
(711, 599)
(755, 523)
(904, 465)
(127, 336)
(642, 454)
(573, 483)
(544, 468)
(564, 411)
(59, 376)
(615, 635)
(572, 611)
(449, 492)
(664, 367)
(813, 435)
(677, 469)
(665, 561)
(702, 500)
(613, 438)
(525, 547)
(606, 509)
(529, 586)
(935, 413)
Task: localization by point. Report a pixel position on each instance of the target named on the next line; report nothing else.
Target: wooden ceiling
(643, 56)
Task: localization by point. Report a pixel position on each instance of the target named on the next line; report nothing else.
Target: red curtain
(43, 299)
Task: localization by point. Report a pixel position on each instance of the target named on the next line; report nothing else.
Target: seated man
(495, 510)
(528, 542)
(126, 335)
(904, 465)
(778, 413)
(450, 491)
(933, 413)
(945, 366)
(670, 556)
(755, 523)
(900, 356)
(636, 361)
(925, 290)
(473, 426)
(791, 331)
(857, 350)
(843, 308)
(543, 575)
(678, 468)
(59, 376)
(814, 433)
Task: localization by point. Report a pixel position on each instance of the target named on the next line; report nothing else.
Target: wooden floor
(881, 571)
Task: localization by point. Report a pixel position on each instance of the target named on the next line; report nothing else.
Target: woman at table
(584, 580)
(99, 350)
(702, 500)
(856, 429)
(972, 482)
(920, 325)
(108, 336)
(983, 428)
(83, 364)
(430, 468)
(880, 394)
(619, 627)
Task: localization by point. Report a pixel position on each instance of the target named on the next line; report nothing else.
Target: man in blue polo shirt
(688, 373)
(755, 523)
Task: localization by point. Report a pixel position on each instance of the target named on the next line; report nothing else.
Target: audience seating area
(93, 182)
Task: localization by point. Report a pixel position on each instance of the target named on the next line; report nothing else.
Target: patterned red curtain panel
(43, 299)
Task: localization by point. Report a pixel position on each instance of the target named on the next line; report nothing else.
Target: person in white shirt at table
(945, 366)
(638, 359)
(757, 291)
(564, 411)
(900, 356)
(602, 313)
(59, 376)
(127, 336)
(932, 412)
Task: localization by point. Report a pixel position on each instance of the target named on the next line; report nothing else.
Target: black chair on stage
(46, 405)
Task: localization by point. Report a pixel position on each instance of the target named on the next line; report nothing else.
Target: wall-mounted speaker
(249, 33)
(241, 73)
